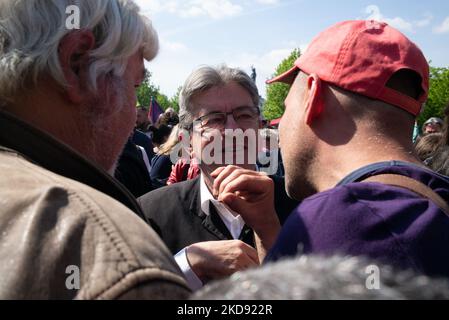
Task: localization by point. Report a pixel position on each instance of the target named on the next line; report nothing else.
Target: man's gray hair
(205, 78)
(31, 32)
(324, 278)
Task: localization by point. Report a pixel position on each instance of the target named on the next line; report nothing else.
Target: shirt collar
(233, 221)
(366, 171)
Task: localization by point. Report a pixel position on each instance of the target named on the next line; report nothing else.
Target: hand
(250, 194)
(219, 259)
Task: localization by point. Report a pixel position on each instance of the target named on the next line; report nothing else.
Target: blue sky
(242, 33)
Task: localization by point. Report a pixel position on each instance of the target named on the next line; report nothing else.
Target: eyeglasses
(245, 117)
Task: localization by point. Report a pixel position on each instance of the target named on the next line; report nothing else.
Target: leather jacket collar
(49, 153)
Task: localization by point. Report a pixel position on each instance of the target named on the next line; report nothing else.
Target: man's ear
(74, 53)
(315, 104)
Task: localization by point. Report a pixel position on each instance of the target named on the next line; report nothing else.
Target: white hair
(31, 32)
(207, 77)
(324, 278)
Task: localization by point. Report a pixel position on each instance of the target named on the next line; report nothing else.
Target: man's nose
(231, 124)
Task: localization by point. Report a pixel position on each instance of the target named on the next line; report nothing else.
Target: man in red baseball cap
(347, 149)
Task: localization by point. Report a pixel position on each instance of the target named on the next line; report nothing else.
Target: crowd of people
(142, 211)
(149, 164)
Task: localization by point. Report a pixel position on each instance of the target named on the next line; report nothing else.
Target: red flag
(155, 111)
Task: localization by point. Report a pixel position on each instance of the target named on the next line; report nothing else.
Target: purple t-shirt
(389, 224)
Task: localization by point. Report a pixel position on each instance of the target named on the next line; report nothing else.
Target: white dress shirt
(231, 219)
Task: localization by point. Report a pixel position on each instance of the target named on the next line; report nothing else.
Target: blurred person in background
(143, 122)
(439, 162)
(428, 146)
(433, 125)
(169, 166)
(133, 170)
(144, 141)
(169, 118)
(161, 164)
(160, 136)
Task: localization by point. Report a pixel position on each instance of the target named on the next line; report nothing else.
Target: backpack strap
(412, 185)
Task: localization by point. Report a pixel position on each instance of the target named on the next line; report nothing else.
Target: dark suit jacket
(175, 213)
(132, 171)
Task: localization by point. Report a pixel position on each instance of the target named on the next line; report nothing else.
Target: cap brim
(287, 77)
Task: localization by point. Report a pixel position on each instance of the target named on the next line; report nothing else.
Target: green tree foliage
(163, 101)
(277, 93)
(148, 90)
(174, 101)
(438, 95)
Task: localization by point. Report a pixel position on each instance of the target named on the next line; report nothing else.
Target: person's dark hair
(160, 134)
(142, 109)
(169, 119)
(445, 140)
(428, 145)
(440, 161)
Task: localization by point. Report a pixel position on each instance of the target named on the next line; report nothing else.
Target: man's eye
(213, 120)
(245, 116)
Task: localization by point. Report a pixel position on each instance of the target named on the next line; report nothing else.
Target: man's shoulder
(83, 227)
(140, 135)
(375, 219)
(361, 207)
(330, 202)
(374, 192)
(172, 195)
(22, 176)
(160, 160)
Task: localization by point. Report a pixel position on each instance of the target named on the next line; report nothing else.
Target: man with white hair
(67, 107)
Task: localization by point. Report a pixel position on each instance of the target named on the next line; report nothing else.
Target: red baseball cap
(361, 56)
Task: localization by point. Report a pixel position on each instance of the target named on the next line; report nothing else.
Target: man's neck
(335, 165)
(54, 122)
(44, 110)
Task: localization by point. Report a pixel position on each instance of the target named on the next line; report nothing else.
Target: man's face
(142, 118)
(114, 127)
(432, 127)
(208, 137)
(296, 142)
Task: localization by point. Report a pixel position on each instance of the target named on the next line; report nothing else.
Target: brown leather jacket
(54, 228)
